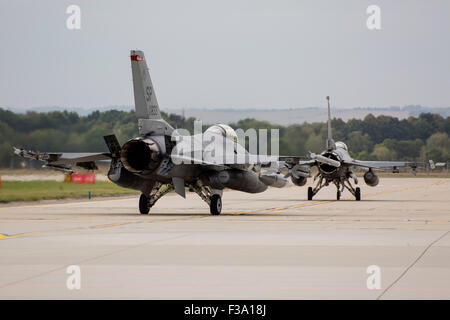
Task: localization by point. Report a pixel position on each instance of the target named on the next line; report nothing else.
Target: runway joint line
(412, 264)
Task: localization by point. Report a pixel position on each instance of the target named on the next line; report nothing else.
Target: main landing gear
(215, 207)
(148, 201)
(212, 197)
(144, 208)
(340, 185)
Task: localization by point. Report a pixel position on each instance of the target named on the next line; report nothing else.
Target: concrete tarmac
(273, 245)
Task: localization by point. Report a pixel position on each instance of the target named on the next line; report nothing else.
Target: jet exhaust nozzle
(140, 155)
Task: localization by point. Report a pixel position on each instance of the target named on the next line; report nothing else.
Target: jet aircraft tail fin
(330, 142)
(147, 108)
(144, 95)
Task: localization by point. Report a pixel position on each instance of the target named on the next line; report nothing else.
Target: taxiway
(273, 245)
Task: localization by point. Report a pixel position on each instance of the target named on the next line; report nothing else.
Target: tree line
(372, 138)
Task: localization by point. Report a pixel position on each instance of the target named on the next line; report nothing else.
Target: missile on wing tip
(432, 164)
(326, 160)
(17, 151)
(26, 153)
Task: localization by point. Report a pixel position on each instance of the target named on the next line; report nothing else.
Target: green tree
(381, 152)
(358, 142)
(438, 147)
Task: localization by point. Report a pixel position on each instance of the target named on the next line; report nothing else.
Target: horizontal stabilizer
(60, 161)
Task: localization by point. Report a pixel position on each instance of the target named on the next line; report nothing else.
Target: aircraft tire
(216, 204)
(310, 193)
(143, 204)
(358, 194)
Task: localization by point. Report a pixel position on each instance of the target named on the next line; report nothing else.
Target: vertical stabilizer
(147, 108)
(330, 142)
(144, 95)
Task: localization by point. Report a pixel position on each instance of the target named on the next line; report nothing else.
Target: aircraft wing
(386, 165)
(314, 159)
(70, 158)
(64, 160)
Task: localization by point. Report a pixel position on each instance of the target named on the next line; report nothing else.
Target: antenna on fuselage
(330, 142)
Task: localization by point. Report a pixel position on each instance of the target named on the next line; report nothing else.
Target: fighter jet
(161, 159)
(334, 166)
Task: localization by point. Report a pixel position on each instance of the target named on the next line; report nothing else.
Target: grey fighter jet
(161, 159)
(335, 165)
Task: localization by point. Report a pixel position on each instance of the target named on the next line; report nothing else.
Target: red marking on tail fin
(137, 58)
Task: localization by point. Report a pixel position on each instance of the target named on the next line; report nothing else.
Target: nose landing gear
(357, 194)
(340, 185)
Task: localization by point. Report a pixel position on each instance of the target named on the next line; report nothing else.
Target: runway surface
(274, 245)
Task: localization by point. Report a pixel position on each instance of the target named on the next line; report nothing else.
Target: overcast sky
(226, 54)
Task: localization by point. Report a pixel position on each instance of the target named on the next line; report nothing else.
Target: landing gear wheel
(338, 195)
(216, 204)
(310, 193)
(358, 194)
(143, 204)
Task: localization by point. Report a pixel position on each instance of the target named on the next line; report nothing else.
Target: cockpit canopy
(223, 130)
(341, 145)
